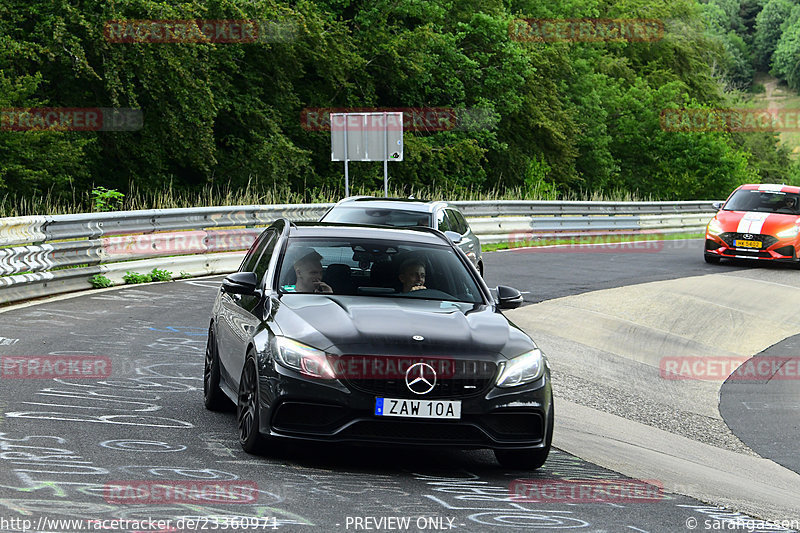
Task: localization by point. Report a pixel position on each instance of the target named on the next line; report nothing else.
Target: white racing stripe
(752, 222)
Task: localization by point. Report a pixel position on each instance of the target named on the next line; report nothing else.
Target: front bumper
(775, 249)
(295, 407)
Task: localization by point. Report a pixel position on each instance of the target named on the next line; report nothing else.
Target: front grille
(462, 378)
(731, 237)
(746, 253)
(401, 431)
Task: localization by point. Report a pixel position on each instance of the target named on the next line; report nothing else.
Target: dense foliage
(562, 116)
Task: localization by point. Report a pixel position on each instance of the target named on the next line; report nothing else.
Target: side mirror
(717, 205)
(453, 236)
(241, 283)
(508, 297)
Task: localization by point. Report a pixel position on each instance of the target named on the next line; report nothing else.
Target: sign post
(375, 136)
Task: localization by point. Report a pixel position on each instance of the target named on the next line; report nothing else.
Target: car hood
(380, 325)
(755, 222)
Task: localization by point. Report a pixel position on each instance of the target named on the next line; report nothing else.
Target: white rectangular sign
(376, 136)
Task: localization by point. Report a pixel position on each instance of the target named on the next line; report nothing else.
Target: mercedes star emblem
(420, 378)
(418, 338)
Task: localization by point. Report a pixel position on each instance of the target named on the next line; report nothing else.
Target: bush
(99, 281)
(160, 275)
(134, 277)
(106, 199)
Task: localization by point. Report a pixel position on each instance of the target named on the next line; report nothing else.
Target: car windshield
(377, 268)
(763, 201)
(378, 216)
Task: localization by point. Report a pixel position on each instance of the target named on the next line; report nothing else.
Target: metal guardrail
(577, 208)
(46, 255)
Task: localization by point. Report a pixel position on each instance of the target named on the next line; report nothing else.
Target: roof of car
(770, 187)
(411, 204)
(332, 229)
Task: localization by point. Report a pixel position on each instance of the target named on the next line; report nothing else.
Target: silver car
(408, 212)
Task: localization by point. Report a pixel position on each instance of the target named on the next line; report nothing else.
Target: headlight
(522, 369)
(305, 359)
(788, 233)
(714, 227)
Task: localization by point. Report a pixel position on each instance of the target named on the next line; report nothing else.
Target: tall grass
(169, 197)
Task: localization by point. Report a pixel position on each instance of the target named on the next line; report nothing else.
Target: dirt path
(776, 98)
(769, 88)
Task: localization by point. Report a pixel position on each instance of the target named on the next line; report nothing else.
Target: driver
(788, 203)
(412, 275)
(308, 270)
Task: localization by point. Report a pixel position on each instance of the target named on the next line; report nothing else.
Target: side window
(258, 263)
(457, 221)
(442, 222)
(263, 261)
(249, 262)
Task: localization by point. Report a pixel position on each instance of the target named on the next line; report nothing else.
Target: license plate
(747, 244)
(443, 409)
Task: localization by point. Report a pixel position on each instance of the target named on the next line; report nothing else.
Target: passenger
(308, 270)
(412, 275)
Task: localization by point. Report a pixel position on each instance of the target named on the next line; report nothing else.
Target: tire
(528, 459)
(247, 410)
(711, 259)
(213, 397)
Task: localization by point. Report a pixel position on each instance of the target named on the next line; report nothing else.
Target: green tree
(786, 58)
(35, 162)
(768, 31)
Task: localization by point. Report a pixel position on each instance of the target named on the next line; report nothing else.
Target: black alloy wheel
(214, 398)
(247, 410)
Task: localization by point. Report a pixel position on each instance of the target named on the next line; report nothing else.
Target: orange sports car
(760, 221)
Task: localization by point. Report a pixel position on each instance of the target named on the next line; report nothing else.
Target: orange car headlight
(788, 233)
(714, 227)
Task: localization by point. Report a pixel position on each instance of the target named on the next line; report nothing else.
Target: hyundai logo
(420, 378)
(748, 236)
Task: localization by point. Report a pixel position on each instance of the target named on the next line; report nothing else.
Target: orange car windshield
(764, 201)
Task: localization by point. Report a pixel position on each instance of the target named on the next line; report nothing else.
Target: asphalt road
(547, 273)
(68, 444)
(765, 413)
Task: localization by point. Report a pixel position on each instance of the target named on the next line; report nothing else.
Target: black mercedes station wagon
(374, 335)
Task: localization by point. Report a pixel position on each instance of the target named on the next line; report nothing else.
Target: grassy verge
(595, 239)
(168, 197)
